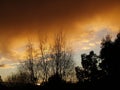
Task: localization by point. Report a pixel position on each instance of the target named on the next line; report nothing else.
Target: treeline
(53, 67)
(101, 71)
(45, 62)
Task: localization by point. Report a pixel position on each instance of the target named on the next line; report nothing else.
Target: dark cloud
(21, 16)
(28, 13)
(18, 18)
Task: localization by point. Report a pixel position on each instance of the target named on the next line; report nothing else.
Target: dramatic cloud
(85, 23)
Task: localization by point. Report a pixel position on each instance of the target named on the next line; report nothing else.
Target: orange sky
(85, 23)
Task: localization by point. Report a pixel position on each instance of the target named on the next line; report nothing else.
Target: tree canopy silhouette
(90, 71)
(103, 69)
(110, 55)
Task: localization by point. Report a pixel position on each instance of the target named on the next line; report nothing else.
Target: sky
(85, 23)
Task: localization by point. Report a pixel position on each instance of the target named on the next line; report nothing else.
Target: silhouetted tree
(105, 68)
(80, 74)
(90, 66)
(116, 54)
(56, 59)
(46, 62)
(110, 54)
(28, 67)
(62, 56)
(106, 53)
(43, 64)
(91, 60)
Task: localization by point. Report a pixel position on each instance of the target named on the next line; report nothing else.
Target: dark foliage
(90, 71)
(101, 71)
(110, 54)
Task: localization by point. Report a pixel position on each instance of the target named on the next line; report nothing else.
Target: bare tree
(49, 61)
(27, 67)
(62, 56)
(30, 61)
(43, 65)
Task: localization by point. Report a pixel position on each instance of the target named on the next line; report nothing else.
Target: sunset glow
(84, 22)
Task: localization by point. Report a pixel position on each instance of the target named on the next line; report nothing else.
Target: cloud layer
(78, 18)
